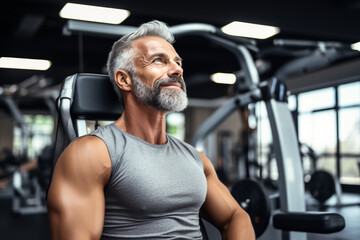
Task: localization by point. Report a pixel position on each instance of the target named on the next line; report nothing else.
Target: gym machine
(88, 97)
(292, 219)
(311, 56)
(27, 195)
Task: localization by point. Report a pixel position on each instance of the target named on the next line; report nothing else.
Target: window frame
(338, 154)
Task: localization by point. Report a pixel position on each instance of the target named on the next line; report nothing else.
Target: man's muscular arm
(76, 198)
(222, 210)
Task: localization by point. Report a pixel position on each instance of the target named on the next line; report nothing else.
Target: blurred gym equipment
(285, 143)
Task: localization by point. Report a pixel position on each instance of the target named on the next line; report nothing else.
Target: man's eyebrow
(157, 55)
(177, 58)
(163, 55)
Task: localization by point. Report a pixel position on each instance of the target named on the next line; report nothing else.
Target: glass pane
(350, 171)
(318, 130)
(323, 98)
(261, 110)
(349, 94)
(308, 159)
(41, 128)
(175, 125)
(270, 170)
(349, 127)
(264, 136)
(90, 125)
(264, 148)
(326, 164)
(292, 102)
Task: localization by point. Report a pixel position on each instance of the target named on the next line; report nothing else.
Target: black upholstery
(203, 230)
(314, 222)
(83, 96)
(94, 98)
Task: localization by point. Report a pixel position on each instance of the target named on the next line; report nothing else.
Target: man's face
(158, 81)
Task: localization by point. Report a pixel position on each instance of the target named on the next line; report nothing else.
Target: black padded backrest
(94, 98)
(87, 97)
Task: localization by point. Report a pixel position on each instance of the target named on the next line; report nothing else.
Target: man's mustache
(165, 81)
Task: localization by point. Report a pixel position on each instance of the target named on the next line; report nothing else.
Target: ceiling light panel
(356, 46)
(93, 13)
(24, 63)
(223, 78)
(250, 30)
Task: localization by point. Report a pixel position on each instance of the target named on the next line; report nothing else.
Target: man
(129, 179)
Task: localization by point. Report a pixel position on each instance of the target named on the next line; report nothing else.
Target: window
(329, 122)
(350, 170)
(349, 130)
(292, 103)
(315, 100)
(264, 142)
(349, 133)
(318, 130)
(327, 164)
(41, 135)
(175, 125)
(349, 94)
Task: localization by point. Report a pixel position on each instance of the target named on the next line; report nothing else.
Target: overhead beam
(107, 30)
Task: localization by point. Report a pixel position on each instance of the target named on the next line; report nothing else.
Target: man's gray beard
(165, 100)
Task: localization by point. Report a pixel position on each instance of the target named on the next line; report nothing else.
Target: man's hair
(122, 53)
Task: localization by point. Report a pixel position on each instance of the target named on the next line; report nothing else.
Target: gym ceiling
(34, 29)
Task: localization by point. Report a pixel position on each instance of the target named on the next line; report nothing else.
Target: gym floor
(36, 227)
(351, 213)
(16, 227)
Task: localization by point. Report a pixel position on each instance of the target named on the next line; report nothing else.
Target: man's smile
(172, 85)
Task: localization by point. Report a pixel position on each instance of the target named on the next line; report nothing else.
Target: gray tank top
(154, 191)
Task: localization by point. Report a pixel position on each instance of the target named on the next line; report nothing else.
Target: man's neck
(143, 122)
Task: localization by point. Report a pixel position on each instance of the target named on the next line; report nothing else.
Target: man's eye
(157, 60)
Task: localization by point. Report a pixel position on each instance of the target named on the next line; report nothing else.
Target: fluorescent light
(93, 13)
(356, 46)
(24, 63)
(223, 78)
(250, 30)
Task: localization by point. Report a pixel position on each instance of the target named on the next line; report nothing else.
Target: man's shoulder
(86, 140)
(87, 152)
(86, 146)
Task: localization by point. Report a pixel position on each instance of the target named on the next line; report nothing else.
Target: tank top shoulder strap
(114, 141)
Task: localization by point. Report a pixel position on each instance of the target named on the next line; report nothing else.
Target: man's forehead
(151, 44)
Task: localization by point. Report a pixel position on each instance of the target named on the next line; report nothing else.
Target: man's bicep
(76, 199)
(80, 168)
(219, 205)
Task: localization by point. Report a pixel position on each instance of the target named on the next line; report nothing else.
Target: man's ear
(123, 80)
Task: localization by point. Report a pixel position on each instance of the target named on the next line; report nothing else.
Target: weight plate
(322, 185)
(251, 196)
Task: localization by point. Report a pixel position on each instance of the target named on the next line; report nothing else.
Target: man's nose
(175, 70)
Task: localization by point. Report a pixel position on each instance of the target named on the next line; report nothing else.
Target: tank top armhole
(114, 142)
(110, 154)
(198, 157)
